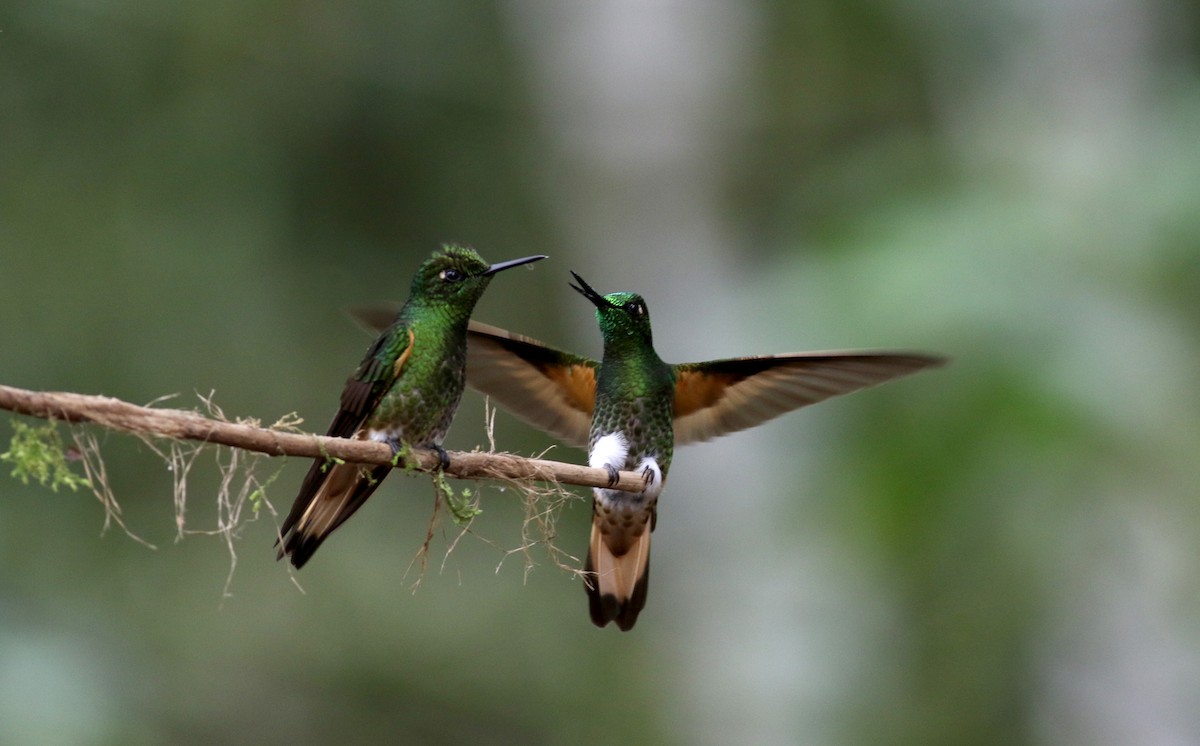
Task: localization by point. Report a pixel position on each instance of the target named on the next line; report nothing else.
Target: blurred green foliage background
(1001, 552)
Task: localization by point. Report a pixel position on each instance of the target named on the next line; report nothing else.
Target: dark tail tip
(606, 607)
(298, 549)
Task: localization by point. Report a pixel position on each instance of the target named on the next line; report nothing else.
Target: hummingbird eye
(635, 308)
(451, 275)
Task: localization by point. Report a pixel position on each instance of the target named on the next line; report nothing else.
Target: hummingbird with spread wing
(631, 409)
(405, 391)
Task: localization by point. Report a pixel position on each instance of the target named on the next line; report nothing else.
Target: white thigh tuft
(610, 450)
(649, 468)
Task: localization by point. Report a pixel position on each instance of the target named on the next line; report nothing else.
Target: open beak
(511, 263)
(586, 291)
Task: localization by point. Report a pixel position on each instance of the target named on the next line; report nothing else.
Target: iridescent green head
(623, 317)
(457, 276)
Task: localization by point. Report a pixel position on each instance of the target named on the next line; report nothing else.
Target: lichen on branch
(37, 453)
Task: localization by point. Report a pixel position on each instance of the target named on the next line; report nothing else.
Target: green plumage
(419, 404)
(635, 389)
(632, 430)
(632, 409)
(405, 391)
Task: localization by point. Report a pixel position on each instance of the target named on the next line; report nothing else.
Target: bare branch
(181, 425)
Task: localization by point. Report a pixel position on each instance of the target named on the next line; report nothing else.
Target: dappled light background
(1003, 551)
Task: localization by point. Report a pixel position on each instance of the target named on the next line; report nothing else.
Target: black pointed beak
(500, 266)
(586, 291)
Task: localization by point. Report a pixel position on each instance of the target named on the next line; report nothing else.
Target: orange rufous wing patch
(548, 388)
(723, 396)
(398, 366)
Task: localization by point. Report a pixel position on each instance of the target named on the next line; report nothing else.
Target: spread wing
(548, 388)
(723, 396)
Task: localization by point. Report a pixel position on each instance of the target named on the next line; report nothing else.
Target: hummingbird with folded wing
(405, 390)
